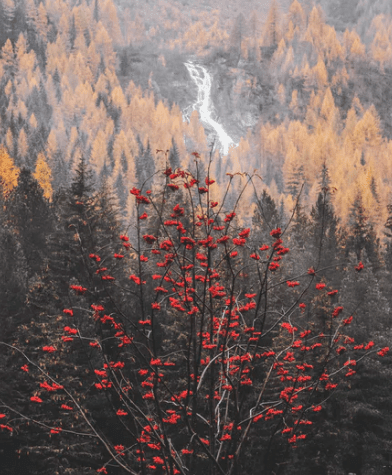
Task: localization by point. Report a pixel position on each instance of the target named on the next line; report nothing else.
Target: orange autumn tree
(214, 346)
(43, 175)
(8, 172)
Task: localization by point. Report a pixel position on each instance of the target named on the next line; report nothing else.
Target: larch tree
(320, 74)
(237, 36)
(294, 104)
(293, 171)
(42, 23)
(272, 28)
(357, 49)
(329, 112)
(367, 132)
(104, 47)
(20, 48)
(196, 132)
(8, 172)
(8, 59)
(110, 21)
(297, 16)
(43, 175)
(315, 30)
(99, 154)
(281, 94)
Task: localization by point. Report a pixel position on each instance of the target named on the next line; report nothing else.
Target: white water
(202, 79)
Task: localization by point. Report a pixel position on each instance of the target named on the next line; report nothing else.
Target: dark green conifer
(29, 214)
(362, 238)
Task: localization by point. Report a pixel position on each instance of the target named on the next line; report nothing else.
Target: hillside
(170, 309)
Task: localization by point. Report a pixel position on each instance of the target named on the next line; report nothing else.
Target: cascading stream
(202, 79)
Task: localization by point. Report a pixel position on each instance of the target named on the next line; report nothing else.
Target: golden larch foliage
(282, 94)
(297, 16)
(353, 46)
(320, 73)
(98, 157)
(33, 121)
(272, 29)
(368, 130)
(294, 105)
(381, 48)
(8, 171)
(43, 175)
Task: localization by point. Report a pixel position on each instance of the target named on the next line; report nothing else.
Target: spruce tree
(362, 238)
(265, 217)
(325, 229)
(13, 274)
(145, 166)
(85, 239)
(174, 156)
(388, 234)
(29, 214)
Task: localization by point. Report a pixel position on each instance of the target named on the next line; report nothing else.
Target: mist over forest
(279, 343)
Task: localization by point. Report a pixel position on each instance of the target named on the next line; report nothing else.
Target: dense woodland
(92, 94)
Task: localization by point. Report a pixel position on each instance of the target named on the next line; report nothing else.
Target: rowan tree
(202, 351)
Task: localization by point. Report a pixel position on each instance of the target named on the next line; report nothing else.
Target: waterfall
(202, 79)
